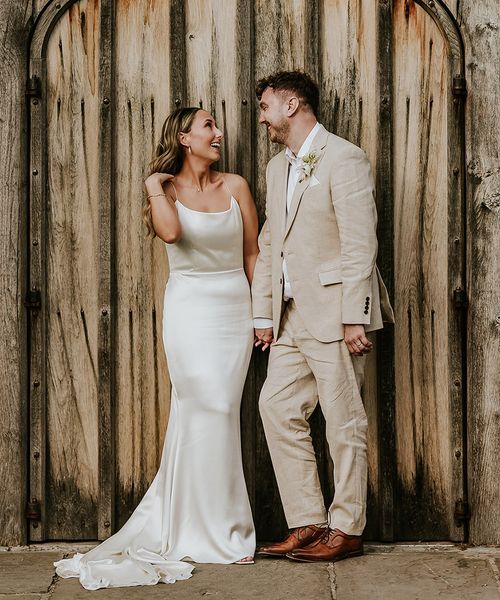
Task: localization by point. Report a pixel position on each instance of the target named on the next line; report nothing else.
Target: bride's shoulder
(235, 182)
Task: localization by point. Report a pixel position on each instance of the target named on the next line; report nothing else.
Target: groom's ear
(292, 106)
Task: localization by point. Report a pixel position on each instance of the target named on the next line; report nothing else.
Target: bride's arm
(163, 210)
(243, 196)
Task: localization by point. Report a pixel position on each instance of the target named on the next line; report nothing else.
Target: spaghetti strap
(227, 188)
(175, 190)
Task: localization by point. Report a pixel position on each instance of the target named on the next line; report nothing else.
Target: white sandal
(247, 560)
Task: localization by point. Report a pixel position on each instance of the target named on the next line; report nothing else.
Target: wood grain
(142, 97)
(232, 44)
(13, 242)
(72, 274)
(421, 276)
(280, 43)
(349, 108)
(481, 22)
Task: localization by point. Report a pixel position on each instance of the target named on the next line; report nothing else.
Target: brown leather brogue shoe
(298, 538)
(334, 545)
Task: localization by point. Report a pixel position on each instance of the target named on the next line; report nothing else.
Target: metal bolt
(35, 171)
(177, 101)
(106, 100)
(457, 383)
(456, 241)
(107, 523)
(36, 383)
(431, 3)
(385, 100)
(104, 312)
(456, 171)
(35, 101)
(458, 454)
(58, 6)
(35, 242)
(244, 102)
(36, 454)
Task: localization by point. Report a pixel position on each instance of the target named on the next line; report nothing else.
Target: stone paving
(386, 572)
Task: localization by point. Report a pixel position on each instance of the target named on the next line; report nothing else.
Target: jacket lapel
(281, 193)
(317, 146)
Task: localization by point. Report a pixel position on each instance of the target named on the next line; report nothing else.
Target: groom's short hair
(298, 82)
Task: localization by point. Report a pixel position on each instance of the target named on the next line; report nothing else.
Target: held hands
(264, 337)
(356, 340)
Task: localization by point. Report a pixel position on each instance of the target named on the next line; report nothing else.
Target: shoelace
(327, 537)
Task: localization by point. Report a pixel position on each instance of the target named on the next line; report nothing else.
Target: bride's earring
(189, 150)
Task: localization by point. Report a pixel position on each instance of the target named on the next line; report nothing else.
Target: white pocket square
(314, 181)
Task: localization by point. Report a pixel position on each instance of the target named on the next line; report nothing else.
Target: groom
(316, 293)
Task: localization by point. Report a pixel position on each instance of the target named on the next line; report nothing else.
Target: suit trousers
(301, 371)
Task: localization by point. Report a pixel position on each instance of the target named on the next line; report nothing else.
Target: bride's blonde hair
(169, 154)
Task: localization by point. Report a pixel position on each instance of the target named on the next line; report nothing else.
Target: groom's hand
(264, 337)
(356, 340)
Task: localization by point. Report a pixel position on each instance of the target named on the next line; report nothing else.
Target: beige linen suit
(328, 239)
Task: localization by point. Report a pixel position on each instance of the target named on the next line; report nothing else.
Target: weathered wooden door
(429, 271)
(103, 75)
(100, 387)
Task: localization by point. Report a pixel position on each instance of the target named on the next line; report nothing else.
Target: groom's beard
(278, 133)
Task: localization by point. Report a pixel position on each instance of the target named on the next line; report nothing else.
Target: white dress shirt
(293, 178)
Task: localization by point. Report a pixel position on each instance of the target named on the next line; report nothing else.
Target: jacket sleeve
(262, 304)
(353, 201)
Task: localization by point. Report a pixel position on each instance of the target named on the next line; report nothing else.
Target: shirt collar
(304, 149)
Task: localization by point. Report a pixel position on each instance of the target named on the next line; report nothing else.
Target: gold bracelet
(156, 195)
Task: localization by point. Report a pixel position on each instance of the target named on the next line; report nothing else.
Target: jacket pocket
(330, 277)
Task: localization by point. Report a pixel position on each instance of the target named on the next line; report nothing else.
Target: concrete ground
(386, 572)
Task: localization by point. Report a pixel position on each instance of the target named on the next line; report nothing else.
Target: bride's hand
(156, 179)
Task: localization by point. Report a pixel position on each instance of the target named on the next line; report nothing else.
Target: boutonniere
(307, 165)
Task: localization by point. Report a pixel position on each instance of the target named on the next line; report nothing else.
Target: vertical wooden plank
(177, 38)
(385, 230)
(107, 277)
(281, 43)
(286, 38)
(456, 244)
(37, 277)
(350, 108)
(424, 460)
(71, 258)
(221, 82)
(142, 384)
(14, 17)
(243, 163)
(38, 443)
(480, 23)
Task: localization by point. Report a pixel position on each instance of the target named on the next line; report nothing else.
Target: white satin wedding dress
(197, 507)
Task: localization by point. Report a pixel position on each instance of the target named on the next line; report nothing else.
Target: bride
(197, 507)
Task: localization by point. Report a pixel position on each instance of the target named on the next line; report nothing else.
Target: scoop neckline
(208, 212)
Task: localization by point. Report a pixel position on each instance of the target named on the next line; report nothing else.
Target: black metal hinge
(33, 510)
(34, 87)
(460, 298)
(461, 512)
(459, 86)
(33, 299)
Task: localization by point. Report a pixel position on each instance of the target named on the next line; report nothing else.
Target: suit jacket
(328, 240)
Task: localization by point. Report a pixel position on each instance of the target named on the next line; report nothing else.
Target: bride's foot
(248, 560)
